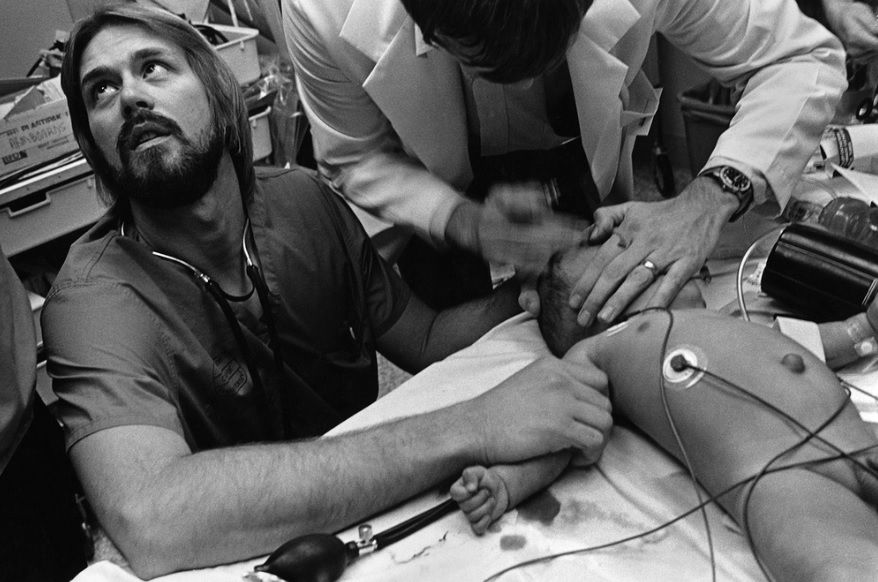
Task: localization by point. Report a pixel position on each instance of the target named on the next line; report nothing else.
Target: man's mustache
(132, 128)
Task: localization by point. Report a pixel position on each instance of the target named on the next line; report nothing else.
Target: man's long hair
(510, 39)
(229, 111)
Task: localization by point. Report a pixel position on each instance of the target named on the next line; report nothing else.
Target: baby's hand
(482, 495)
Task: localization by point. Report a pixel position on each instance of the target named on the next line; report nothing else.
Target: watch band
(736, 183)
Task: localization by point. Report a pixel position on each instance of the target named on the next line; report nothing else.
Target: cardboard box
(34, 127)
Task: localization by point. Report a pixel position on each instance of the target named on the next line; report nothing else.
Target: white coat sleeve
(357, 150)
(792, 72)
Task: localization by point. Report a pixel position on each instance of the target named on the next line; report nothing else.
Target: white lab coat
(389, 121)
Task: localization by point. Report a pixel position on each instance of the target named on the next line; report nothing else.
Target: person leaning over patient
(218, 319)
(812, 522)
(411, 102)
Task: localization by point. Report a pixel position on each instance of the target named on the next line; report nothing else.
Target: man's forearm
(169, 509)
(458, 327)
(422, 336)
(228, 504)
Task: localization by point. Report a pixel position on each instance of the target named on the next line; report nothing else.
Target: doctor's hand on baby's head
(642, 243)
(580, 258)
(558, 321)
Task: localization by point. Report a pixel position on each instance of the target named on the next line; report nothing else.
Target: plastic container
(30, 219)
(707, 111)
(852, 218)
(239, 52)
(261, 134)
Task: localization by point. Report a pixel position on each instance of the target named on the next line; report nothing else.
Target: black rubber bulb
(310, 558)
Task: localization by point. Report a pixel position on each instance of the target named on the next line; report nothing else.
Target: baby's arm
(486, 493)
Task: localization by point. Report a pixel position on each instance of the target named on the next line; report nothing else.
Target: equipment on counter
(825, 275)
(851, 217)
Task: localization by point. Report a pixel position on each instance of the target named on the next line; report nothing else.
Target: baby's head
(557, 320)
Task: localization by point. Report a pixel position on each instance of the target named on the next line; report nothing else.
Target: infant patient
(742, 398)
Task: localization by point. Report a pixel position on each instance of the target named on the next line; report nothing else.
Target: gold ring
(649, 266)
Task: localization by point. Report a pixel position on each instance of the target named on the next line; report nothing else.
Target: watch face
(735, 179)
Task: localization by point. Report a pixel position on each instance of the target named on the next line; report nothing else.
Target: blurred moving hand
(856, 26)
(514, 226)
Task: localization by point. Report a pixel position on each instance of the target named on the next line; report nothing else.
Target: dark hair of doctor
(508, 40)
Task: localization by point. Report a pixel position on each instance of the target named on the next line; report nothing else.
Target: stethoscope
(224, 301)
(313, 557)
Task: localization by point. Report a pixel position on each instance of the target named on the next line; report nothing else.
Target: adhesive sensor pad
(682, 367)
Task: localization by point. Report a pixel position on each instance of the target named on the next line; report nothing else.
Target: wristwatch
(736, 183)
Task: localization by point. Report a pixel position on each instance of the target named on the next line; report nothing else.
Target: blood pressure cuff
(822, 274)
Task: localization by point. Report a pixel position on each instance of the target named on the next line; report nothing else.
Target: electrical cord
(748, 533)
(767, 469)
(739, 279)
(673, 426)
(809, 435)
(852, 387)
(670, 522)
(773, 408)
(792, 419)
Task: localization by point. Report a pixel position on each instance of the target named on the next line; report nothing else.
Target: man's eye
(154, 69)
(101, 91)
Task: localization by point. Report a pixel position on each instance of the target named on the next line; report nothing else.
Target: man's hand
(548, 406)
(644, 239)
(855, 25)
(514, 226)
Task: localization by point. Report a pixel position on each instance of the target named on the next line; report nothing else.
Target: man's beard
(150, 179)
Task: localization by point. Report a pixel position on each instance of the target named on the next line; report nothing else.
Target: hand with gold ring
(642, 243)
(650, 266)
